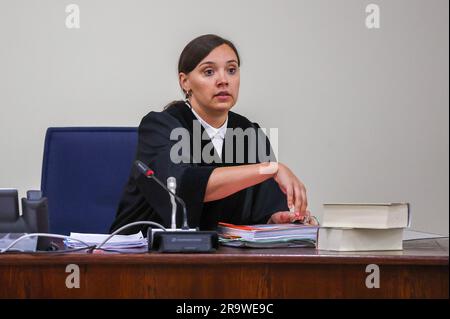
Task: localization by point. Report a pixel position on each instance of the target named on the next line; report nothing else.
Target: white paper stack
(117, 242)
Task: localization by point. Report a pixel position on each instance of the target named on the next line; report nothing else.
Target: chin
(223, 106)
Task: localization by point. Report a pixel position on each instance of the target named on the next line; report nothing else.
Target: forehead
(220, 55)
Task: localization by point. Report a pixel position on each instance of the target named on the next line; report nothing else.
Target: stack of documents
(267, 235)
(117, 242)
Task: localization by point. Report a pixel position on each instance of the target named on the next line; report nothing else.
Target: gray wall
(362, 114)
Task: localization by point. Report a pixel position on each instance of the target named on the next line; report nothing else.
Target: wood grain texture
(419, 271)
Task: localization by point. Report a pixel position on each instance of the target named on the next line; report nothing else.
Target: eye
(208, 72)
(232, 70)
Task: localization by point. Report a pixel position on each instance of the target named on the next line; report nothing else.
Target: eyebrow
(210, 62)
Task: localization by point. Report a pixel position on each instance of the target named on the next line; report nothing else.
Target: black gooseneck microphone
(178, 241)
(144, 169)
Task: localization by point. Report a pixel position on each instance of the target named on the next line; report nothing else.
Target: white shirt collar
(211, 130)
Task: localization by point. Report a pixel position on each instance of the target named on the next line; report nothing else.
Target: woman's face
(214, 82)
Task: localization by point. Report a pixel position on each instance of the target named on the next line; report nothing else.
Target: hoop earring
(187, 95)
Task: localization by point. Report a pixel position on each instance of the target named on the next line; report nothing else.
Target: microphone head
(144, 169)
(171, 182)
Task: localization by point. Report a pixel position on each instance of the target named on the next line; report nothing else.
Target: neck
(213, 118)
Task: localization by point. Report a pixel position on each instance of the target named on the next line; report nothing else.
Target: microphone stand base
(182, 241)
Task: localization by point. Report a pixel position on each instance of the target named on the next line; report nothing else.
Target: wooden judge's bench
(419, 271)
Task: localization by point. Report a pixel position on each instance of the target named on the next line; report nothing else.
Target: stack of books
(363, 227)
(267, 235)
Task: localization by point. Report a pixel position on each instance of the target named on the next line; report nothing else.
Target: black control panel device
(182, 241)
(34, 218)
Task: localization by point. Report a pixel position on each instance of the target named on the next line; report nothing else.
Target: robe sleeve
(154, 149)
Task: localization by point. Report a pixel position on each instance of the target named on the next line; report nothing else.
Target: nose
(222, 78)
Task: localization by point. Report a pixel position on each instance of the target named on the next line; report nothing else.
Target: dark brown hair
(198, 49)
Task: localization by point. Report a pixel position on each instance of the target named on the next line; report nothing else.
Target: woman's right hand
(293, 188)
(288, 217)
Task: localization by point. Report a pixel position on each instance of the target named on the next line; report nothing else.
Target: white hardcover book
(354, 239)
(361, 215)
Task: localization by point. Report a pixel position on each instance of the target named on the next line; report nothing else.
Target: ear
(184, 81)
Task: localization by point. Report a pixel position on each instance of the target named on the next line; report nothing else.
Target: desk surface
(417, 252)
(420, 270)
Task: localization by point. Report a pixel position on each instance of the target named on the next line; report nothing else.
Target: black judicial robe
(144, 200)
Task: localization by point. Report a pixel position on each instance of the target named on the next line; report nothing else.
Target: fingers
(304, 199)
(293, 189)
(282, 218)
(313, 221)
(290, 196)
(301, 202)
(285, 217)
(298, 200)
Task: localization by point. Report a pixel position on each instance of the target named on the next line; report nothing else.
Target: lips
(223, 93)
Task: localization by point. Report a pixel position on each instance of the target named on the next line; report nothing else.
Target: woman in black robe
(223, 172)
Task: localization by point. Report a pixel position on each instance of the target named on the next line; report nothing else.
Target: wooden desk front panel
(416, 272)
(224, 281)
